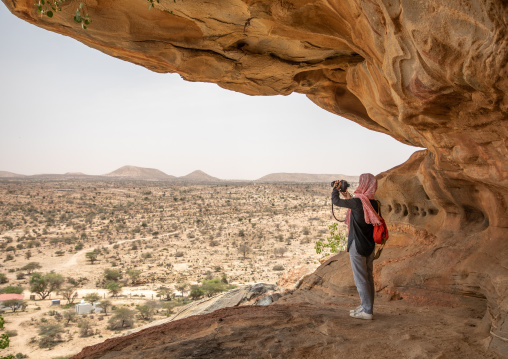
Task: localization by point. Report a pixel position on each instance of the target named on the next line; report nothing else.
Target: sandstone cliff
(429, 73)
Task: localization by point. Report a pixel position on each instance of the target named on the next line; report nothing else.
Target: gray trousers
(364, 280)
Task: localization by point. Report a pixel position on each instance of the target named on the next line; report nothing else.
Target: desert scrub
(335, 242)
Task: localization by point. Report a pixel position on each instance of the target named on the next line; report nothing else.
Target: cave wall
(431, 74)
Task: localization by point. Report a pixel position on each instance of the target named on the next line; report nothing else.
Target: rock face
(429, 73)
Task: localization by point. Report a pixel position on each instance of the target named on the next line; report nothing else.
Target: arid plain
(144, 235)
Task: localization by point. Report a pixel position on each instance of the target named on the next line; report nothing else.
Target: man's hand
(346, 195)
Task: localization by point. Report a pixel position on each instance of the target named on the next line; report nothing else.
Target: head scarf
(366, 189)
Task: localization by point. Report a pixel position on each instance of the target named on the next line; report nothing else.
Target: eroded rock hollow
(428, 73)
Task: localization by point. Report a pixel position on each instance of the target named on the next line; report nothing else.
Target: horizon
(169, 174)
(69, 108)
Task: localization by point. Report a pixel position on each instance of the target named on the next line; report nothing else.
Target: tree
(92, 256)
(214, 286)
(182, 287)
(105, 304)
(122, 318)
(50, 334)
(112, 274)
(92, 297)
(69, 316)
(69, 293)
(114, 288)
(28, 254)
(196, 292)
(145, 311)
(44, 284)
(3, 278)
(244, 249)
(134, 274)
(14, 304)
(165, 292)
(30, 267)
(85, 328)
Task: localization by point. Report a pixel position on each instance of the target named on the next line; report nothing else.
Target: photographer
(361, 218)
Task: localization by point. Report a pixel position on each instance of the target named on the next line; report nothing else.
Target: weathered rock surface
(429, 73)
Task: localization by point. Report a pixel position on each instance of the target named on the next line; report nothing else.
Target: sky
(65, 107)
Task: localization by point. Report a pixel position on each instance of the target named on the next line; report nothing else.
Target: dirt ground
(172, 234)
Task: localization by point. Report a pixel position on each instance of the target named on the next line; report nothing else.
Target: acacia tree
(92, 297)
(114, 288)
(134, 274)
(69, 293)
(92, 256)
(30, 267)
(44, 284)
(123, 317)
(244, 249)
(182, 287)
(14, 304)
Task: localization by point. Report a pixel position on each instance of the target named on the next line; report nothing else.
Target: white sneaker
(357, 309)
(361, 315)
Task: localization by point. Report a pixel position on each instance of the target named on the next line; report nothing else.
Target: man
(361, 218)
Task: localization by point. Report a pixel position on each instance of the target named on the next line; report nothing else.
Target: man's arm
(348, 203)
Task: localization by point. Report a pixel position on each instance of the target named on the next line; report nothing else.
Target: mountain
(5, 174)
(304, 178)
(198, 176)
(140, 173)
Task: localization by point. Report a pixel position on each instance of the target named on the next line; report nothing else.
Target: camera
(342, 185)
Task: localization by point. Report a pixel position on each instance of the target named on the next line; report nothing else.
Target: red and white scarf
(365, 191)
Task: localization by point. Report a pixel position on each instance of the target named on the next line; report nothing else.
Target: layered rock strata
(430, 73)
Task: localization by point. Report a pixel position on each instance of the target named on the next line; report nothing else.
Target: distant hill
(5, 174)
(304, 178)
(140, 173)
(198, 176)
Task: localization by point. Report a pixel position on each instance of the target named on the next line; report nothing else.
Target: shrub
(278, 267)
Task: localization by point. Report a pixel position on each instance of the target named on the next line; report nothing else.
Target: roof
(11, 296)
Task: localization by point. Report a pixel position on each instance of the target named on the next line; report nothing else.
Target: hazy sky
(65, 107)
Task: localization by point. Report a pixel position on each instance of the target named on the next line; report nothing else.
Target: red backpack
(380, 231)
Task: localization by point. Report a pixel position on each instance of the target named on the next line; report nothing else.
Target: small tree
(105, 304)
(165, 293)
(134, 274)
(91, 256)
(122, 318)
(30, 267)
(85, 328)
(14, 304)
(114, 288)
(44, 284)
(69, 316)
(182, 287)
(69, 293)
(92, 297)
(51, 335)
(111, 274)
(243, 249)
(196, 292)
